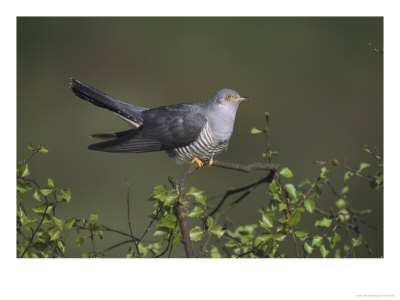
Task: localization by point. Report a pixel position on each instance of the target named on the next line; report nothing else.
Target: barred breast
(204, 148)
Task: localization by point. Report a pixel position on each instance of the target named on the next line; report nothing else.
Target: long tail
(126, 111)
(128, 141)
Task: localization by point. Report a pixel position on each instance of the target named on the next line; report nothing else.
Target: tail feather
(128, 112)
(108, 136)
(129, 141)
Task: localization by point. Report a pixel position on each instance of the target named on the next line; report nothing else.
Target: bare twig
(148, 226)
(92, 239)
(265, 179)
(135, 242)
(168, 245)
(266, 135)
(247, 168)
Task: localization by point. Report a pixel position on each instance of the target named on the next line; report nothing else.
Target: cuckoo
(189, 132)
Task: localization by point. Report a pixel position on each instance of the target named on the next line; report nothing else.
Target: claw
(210, 162)
(198, 161)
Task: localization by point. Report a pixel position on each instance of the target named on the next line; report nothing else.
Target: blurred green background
(318, 78)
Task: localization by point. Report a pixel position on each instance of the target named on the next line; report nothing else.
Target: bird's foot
(210, 162)
(198, 161)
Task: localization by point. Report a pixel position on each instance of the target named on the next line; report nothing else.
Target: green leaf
(158, 191)
(231, 244)
(80, 240)
(262, 238)
(168, 221)
(214, 252)
(196, 233)
(268, 221)
(176, 240)
(282, 220)
(142, 250)
(324, 172)
(61, 246)
(356, 242)
(304, 182)
(333, 240)
(66, 194)
(340, 203)
(266, 128)
(291, 190)
(324, 251)
(201, 199)
(286, 172)
(170, 198)
(316, 241)
(54, 233)
(197, 194)
(30, 147)
(345, 190)
(282, 206)
(364, 165)
(196, 212)
(88, 254)
(325, 222)
(278, 236)
(255, 131)
(337, 253)
(300, 232)
(194, 192)
(70, 223)
(43, 149)
(41, 209)
(218, 231)
(24, 170)
(274, 187)
(46, 192)
(50, 182)
(308, 248)
(36, 195)
(344, 215)
(294, 218)
(159, 232)
(210, 222)
(59, 223)
(309, 204)
(23, 186)
(348, 175)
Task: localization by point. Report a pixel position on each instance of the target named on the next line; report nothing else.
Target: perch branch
(247, 168)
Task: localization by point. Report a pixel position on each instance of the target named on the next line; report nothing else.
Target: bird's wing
(164, 128)
(174, 125)
(130, 113)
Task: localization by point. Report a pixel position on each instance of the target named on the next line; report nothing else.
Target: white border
(195, 279)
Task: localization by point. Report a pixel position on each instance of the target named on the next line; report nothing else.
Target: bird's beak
(240, 99)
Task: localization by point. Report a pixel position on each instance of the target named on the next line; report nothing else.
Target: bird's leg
(210, 162)
(198, 161)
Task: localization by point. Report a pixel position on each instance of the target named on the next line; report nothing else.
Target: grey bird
(189, 132)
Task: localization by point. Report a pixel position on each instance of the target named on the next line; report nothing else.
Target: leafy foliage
(336, 233)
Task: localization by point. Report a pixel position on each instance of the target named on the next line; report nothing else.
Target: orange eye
(228, 96)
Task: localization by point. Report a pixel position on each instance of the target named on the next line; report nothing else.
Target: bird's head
(227, 97)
